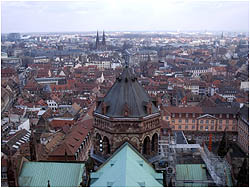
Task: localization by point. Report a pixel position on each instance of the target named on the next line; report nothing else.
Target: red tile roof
(74, 138)
(61, 123)
(175, 109)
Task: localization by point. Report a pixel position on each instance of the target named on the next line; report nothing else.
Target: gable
(207, 116)
(126, 168)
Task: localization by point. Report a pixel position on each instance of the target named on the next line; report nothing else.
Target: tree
(222, 150)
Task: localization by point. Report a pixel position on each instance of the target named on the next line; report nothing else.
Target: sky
(124, 15)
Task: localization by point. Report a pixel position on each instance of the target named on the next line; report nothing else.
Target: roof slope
(191, 172)
(126, 168)
(244, 113)
(126, 91)
(37, 174)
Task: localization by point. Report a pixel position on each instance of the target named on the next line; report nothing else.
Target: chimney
(66, 155)
(104, 108)
(149, 108)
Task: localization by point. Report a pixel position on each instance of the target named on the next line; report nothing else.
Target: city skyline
(91, 15)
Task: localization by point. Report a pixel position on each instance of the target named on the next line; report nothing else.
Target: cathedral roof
(126, 168)
(126, 98)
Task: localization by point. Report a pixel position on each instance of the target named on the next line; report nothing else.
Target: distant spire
(97, 40)
(103, 39)
(48, 184)
(222, 35)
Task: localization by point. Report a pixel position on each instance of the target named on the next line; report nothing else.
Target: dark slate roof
(219, 110)
(244, 114)
(126, 91)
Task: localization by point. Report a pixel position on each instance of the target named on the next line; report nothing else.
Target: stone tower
(126, 113)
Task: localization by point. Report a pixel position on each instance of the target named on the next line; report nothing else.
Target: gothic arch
(124, 139)
(135, 142)
(146, 146)
(154, 143)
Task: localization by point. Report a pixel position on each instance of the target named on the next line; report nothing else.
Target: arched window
(98, 140)
(154, 143)
(146, 146)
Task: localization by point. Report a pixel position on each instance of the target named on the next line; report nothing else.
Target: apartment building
(199, 122)
(243, 129)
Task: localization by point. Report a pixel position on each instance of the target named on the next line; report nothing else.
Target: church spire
(97, 40)
(103, 39)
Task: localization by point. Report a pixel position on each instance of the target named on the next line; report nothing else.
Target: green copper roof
(126, 168)
(191, 172)
(37, 174)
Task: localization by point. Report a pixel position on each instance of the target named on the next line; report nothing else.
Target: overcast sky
(124, 15)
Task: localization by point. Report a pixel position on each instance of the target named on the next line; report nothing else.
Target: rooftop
(126, 93)
(37, 174)
(126, 168)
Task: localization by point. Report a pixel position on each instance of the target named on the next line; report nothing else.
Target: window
(201, 127)
(207, 121)
(167, 117)
(193, 114)
(220, 121)
(220, 127)
(234, 121)
(186, 127)
(179, 120)
(212, 127)
(173, 115)
(4, 176)
(193, 121)
(220, 115)
(179, 127)
(206, 128)
(201, 121)
(212, 121)
(193, 126)
(227, 115)
(186, 115)
(179, 114)
(227, 121)
(186, 120)
(173, 121)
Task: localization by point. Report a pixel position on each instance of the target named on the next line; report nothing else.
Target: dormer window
(104, 108)
(126, 110)
(149, 108)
